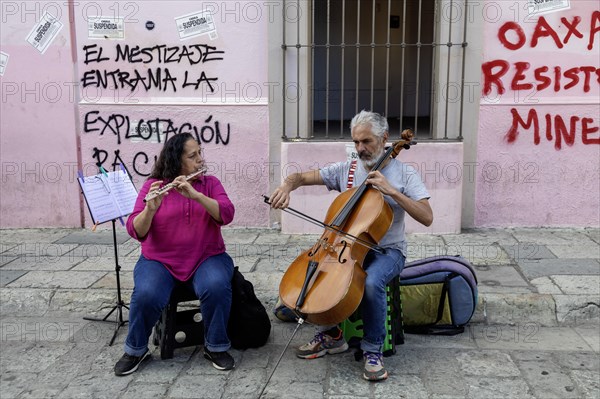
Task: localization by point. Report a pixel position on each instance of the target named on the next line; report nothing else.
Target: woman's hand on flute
(143, 220)
(184, 187)
(153, 204)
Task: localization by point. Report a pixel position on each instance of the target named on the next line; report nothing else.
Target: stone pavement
(535, 334)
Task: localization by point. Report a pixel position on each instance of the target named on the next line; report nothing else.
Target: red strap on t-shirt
(351, 174)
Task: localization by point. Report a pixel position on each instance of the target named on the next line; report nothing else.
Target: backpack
(249, 325)
(438, 294)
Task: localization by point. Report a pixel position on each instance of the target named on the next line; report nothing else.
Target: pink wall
(38, 145)
(213, 86)
(440, 165)
(538, 139)
(523, 174)
(238, 156)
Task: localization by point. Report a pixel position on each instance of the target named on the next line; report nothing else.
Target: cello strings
(355, 239)
(314, 221)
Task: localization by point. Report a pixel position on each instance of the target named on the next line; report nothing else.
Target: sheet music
(123, 190)
(109, 196)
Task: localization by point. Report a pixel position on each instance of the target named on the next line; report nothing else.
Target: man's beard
(369, 163)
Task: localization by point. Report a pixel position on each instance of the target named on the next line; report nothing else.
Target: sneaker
(127, 364)
(374, 370)
(321, 345)
(220, 360)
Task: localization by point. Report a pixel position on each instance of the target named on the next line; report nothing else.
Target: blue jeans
(153, 285)
(381, 269)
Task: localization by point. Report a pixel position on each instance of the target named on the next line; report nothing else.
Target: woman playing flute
(180, 234)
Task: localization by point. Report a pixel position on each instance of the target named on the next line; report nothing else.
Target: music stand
(120, 304)
(109, 197)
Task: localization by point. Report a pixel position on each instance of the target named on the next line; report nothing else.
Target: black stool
(178, 329)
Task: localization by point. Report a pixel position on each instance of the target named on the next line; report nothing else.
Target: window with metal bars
(401, 58)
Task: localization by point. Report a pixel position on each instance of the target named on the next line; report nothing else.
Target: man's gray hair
(379, 124)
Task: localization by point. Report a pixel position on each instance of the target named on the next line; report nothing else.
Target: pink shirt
(182, 234)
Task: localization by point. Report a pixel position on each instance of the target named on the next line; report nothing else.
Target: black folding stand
(120, 304)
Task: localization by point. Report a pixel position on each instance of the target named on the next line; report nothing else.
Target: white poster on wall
(44, 32)
(536, 7)
(3, 62)
(196, 24)
(106, 28)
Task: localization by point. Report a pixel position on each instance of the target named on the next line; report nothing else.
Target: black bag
(249, 325)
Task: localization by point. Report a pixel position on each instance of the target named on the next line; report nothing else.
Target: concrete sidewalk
(537, 322)
(550, 277)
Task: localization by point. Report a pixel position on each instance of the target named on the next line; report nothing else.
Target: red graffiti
(594, 27)
(544, 30)
(510, 25)
(496, 73)
(521, 76)
(586, 128)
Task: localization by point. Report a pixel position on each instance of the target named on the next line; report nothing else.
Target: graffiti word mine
(557, 128)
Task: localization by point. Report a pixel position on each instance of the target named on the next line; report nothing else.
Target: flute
(155, 193)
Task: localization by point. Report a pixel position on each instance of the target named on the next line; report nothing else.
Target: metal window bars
(334, 50)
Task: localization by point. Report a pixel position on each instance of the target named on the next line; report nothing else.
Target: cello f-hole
(342, 252)
(314, 251)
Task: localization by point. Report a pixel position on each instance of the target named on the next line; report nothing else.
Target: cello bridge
(330, 249)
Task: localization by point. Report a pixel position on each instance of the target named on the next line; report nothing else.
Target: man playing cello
(405, 192)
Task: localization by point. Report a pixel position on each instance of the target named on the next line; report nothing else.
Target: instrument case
(439, 295)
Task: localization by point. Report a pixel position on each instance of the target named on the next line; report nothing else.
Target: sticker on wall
(44, 32)
(106, 28)
(3, 62)
(536, 7)
(196, 24)
(147, 132)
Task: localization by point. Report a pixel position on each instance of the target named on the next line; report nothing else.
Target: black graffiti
(145, 161)
(194, 54)
(159, 78)
(196, 84)
(150, 129)
(148, 78)
(208, 133)
(122, 79)
(93, 53)
(100, 157)
(113, 124)
(117, 79)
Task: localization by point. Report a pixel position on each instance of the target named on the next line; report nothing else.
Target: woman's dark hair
(168, 164)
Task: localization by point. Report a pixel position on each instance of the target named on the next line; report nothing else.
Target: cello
(324, 285)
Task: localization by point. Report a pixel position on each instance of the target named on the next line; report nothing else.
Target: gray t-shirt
(402, 177)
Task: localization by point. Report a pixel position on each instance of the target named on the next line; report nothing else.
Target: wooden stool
(178, 329)
(353, 326)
